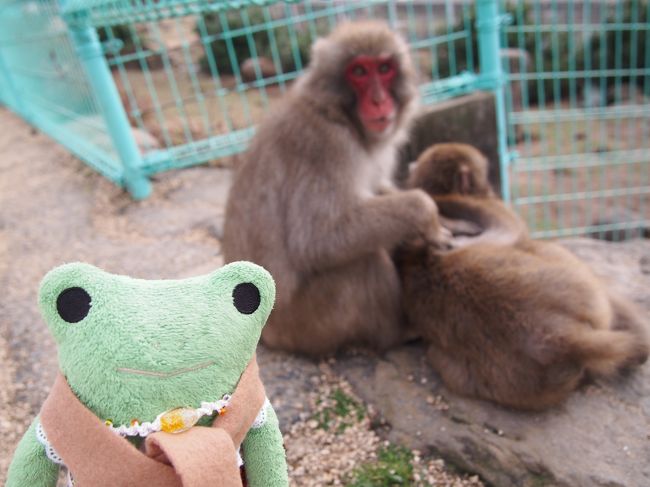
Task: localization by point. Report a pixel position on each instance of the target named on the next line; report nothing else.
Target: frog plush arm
(263, 452)
(30, 466)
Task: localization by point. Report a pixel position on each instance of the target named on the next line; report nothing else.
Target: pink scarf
(199, 457)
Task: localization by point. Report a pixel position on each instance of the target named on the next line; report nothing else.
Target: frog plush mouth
(165, 375)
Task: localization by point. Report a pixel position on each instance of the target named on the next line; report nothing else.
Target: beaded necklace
(172, 421)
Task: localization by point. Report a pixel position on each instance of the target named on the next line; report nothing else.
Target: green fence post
(488, 24)
(91, 56)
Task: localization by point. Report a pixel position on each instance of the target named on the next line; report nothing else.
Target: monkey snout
(378, 96)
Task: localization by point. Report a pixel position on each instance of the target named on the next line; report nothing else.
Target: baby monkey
(456, 177)
(512, 320)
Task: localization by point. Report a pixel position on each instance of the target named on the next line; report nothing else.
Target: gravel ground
(55, 209)
(14, 417)
(341, 446)
(330, 454)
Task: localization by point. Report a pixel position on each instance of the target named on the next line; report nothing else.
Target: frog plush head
(136, 358)
(132, 348)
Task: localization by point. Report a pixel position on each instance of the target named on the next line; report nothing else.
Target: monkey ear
(323, 48)
(464, 180)
(318, 48)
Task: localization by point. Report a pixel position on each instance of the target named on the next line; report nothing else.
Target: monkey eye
(359, 71)
(385, 68)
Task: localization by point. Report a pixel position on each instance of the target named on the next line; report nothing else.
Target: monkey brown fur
(313, 200)
(456, 177)
(520, 324)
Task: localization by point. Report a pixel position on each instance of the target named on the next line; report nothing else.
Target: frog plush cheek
(131, 348)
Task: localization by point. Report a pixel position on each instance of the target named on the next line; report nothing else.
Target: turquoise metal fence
(136, 87)
(41, 79)
(579, 116)
(139, 87)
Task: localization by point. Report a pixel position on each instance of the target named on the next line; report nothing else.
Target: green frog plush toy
(158, 385)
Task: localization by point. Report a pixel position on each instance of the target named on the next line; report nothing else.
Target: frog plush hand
(150, 359)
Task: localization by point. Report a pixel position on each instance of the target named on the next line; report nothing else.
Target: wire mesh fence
(42, 79)
(578, 124)
(194, 77)
(135, 87)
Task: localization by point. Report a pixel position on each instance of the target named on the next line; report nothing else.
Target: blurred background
(138, 87)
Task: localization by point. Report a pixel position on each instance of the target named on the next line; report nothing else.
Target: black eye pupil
(73, 304)
(246, 298)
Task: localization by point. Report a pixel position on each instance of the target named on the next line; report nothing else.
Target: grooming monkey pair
(509, 319)
(314, 203)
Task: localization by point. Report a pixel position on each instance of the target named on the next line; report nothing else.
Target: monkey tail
(607, 352)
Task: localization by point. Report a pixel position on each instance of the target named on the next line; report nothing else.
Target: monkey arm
(461, 227)
(468, 208)
(30, 466)
(331, 238)
(264, 458)
(498, 223)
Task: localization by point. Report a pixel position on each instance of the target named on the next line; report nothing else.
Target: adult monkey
(313, 200)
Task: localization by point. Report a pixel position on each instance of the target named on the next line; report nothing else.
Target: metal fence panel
(135, 87)
(578, 124)
(192, 78)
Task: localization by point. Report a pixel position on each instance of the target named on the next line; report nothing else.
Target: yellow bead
(178, 420)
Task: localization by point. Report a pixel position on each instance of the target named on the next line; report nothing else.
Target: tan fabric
(204, 458)
(245, 403)
(200, 457)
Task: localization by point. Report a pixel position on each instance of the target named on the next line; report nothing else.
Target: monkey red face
(371, 79)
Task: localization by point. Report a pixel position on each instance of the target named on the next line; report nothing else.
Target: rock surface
(599, 438)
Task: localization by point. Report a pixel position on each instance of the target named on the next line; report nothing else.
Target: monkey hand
(426, 220)
(440, 238)
(461, 227)
(386, 187)
(421, 210)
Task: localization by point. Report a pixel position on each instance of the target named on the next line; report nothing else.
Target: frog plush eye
(73, 304)
(246, 298)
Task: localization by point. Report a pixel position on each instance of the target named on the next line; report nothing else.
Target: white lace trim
(49, 449)
(240, 460)
(50, 452)
(260, 419)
